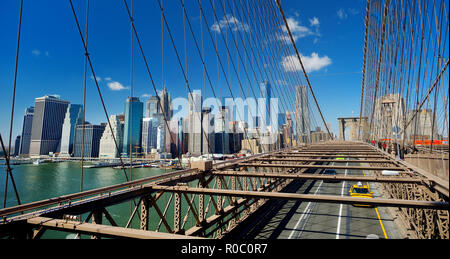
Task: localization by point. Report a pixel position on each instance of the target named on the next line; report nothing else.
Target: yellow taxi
(340, 158)
(361, 191)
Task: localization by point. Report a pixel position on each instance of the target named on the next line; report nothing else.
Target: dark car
(330, 172)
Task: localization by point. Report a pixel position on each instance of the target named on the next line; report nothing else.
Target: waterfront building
(73, 117)
(149, 132)
(27, 126)
(181, 149)
(282, 119)
(208, 137)
(107, 147)
(160, 137)
(221, 131)
(264, 108)
(195, 123)
(132, 127)
(165, 100)
(252, 145)
(48, 119)
(152, 107)
(288, 130)
(92, 136)
(17, 146)
(171, 137)
(302, 120)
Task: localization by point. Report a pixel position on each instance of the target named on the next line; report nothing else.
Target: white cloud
(116, 86)
(229, 21)
(342, 14)
(108, 78)
(311, 63)
(314, 21)
(36, 52)
(98, 78)
(146, 95)
(299, 31)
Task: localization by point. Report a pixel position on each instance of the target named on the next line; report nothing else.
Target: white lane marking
(340, 207)
(304, 211)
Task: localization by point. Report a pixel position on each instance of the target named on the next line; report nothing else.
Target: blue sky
(329, 35)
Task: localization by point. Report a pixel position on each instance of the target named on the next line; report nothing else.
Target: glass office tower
(26, 131)
(48, 120)
(133, 127)
(74, 117)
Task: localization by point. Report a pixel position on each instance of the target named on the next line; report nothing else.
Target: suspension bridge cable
(8, 152)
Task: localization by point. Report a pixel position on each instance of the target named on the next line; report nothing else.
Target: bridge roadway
(310, 220)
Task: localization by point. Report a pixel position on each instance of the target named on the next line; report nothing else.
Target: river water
(49, 180)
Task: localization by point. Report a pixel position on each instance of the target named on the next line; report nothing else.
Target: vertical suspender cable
(84, 98)
(364, 69)
(386, 8)
(131, 93)
(303, 68)
(8, 154)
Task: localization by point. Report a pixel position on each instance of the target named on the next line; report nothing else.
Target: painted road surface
(310, 220)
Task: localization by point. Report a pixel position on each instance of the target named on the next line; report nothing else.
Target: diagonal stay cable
(96, 83)
(221, 64)
(8, 154)
(303, 68)
(183, 70)
(147, 67)
(218, 59)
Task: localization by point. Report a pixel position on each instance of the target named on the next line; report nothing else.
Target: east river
(49, 180)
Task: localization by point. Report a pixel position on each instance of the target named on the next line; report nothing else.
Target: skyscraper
(149, 133)
(108, 148)
(152, 107)
(132, 134)
(222, 132)
(74, 117)
(17, 146)
(165, 103)
(303, 125)
(92, 136)
(195, 123)
(266, 94)
(26, 131)
(208, 145)
(48, 120)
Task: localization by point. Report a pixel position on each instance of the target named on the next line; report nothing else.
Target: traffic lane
(336, 221)
(316, 220)
(273, 224)
(323, 219)
(361, 221)
(303, 220)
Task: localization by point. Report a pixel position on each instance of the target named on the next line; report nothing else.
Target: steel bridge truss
(210, 202)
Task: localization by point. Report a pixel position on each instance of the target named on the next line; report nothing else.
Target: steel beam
(101, 230)
(172, 176)
(323, 167)
(324, 155)
(438, 205)
(323, 160)
(322, 177)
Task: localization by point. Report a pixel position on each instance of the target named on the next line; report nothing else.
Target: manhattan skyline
(53, 63)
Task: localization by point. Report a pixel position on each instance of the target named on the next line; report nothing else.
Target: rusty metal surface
(376, 168)
(309, 197)
(218, 200)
